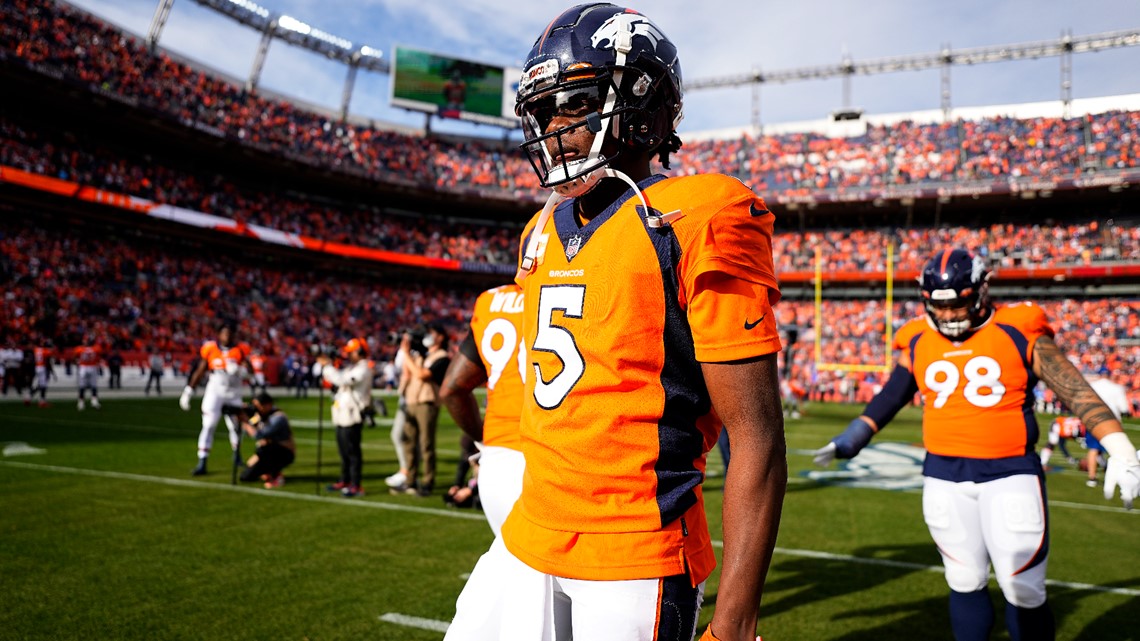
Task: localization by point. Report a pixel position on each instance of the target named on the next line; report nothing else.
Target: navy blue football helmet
(613, 72)
(953, 279)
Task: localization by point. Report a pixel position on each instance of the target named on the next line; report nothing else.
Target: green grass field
(106, 536)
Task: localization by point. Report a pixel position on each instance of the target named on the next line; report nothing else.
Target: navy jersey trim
(678, 609)
(575, 237)
(913, 344)
(958, 469)
(1019, 341)
(680, 442)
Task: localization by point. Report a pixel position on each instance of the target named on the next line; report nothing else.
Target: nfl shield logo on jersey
(573, 245)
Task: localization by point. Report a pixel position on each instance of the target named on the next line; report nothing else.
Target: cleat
(396, 480)
(200, 468)
(352, 491)
(274, 482)
(1090, 483)
(44, 404)
(95, 403)
(403, 489)
(81, 405)
(339, 486)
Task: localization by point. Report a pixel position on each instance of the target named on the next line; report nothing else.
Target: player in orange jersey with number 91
(975, 365)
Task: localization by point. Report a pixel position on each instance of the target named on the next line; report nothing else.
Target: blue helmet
(616, 70)
(954, 278)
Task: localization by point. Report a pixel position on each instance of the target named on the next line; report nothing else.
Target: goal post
(888, 312)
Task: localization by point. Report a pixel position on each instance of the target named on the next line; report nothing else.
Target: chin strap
(652, 219)
(526, 265)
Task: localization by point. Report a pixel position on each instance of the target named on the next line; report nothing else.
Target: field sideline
(105, 535)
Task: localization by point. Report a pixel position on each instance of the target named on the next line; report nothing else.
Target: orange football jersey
(1068, 427)
(216, 358)
(42, 356)
(496, 326)
(88, 356)
(616, 419)
(977, 393)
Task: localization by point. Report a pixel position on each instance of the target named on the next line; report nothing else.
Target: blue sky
(715, 38)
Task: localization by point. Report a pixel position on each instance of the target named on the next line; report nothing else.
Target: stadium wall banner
(69, 189)
(453, 87)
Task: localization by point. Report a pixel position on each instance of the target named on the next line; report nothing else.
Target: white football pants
(1002, 522)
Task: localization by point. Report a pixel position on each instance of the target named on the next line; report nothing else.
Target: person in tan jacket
(422, 377)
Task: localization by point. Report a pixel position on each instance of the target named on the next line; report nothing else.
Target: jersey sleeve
(204, 352)
(905, 337)
(728, 280)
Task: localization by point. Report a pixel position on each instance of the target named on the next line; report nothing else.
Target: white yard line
(415, 622)
(474, 516)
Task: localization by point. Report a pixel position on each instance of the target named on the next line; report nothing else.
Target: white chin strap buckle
(657, 221)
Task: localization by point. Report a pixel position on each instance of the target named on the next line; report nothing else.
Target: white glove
(825, 455)
(1124, 473)
(1123, 468)
(184, 400)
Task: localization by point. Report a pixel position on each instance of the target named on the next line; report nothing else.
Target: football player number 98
(549, 392)
(983, 381)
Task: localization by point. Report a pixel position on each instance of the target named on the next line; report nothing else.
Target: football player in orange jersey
(223, 359)
(89, 358)
(1062, 429)
(43, 356)
(492, 354)
(975, 365)
(648, 324)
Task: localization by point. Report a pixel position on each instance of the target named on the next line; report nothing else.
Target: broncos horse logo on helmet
(956, 279)
(618, 74)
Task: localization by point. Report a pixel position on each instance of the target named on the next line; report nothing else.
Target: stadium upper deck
(899, 162)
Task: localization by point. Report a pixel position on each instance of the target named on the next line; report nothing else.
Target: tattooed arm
(1051, 366)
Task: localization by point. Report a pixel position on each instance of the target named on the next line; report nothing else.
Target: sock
(971, 615)
(1030, 624)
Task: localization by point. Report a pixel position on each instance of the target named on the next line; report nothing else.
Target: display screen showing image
(449, 87)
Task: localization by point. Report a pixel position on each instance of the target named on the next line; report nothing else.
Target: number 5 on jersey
(551, 389)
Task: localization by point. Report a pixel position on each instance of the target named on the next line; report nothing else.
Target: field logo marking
(881, 466)
(19, 448)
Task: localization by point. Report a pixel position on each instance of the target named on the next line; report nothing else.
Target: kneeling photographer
(275, 447)
(353, 399)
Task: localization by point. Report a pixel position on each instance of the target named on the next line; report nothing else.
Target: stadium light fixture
(252, 7)
(365, 50)
(289, 23)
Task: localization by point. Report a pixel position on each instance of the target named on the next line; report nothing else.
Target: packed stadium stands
(58, 39)
(74, 274)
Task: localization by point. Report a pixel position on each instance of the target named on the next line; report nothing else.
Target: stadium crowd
(72, 158)
(70, 42)
(66, 287)
(142, 295)
(131, 296)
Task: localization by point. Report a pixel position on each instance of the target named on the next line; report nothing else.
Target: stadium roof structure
(1063, 47)
(290, 30)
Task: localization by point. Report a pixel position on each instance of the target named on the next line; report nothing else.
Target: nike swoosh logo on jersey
(756, 212)
(748, 325)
